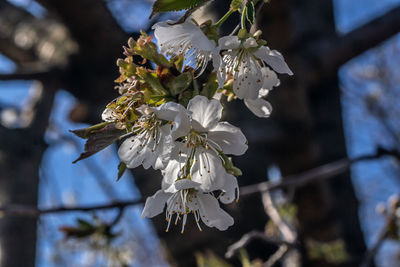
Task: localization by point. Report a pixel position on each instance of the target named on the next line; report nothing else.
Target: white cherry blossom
(197, 155)
(184, 197)
(244, 61)
(154, 135)
(188, 39)
(259, 106)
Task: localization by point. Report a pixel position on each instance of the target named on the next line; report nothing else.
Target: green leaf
(85, 133)
(175, 5)
(180, 83)
(100, 139)
(121, 170)
(250, 12)
(152, 80)
(83, 224)
(211, 86)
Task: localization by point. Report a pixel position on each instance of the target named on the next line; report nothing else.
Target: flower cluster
(169, 116)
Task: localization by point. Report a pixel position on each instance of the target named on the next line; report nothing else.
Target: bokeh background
(57, 65)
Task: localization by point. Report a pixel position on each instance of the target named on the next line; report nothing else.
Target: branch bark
(332, 54)
(322, 172)
(31, 211)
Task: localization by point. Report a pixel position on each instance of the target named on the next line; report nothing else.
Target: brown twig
(250, 236)
(383, 234)
(325, 171)
(23, 210)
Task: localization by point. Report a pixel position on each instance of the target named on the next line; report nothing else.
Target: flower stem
(225, 17)
(243, 18)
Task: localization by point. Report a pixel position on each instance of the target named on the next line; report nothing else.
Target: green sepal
(178, 62)
(180, 83)
(236, 4)
(228, 165)
(85, 133)
(145, 48)
(210, 87)
(151, 79)
(121, 170)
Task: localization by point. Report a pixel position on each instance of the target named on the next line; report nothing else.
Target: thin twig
(289, 235)
(325, 171)
(279, 254)
(383, 234)
(118, 217)
(250, 236)
(23, 210)
(26, 75)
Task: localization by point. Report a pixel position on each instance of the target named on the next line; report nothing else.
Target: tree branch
(22, 210)
(10, 17)
(334, 53)
(322, 172)
(40, 76)
(250, 236)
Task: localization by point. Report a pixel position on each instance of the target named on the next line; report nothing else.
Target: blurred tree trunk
(21, 152)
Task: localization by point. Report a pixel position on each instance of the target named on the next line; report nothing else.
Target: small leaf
(178, 62)
(211, 86)
(100, 139)
(180, 83)
(151, 79)
(83, 224)
(174, 5)
(250, 12)
(121, 170)
(85, 133)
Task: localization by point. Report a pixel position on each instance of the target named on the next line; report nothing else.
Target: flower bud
(242, 34)
(394, 202)
(381, 208)
(131, 42)
(257, 34)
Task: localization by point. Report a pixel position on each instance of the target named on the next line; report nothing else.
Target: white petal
(207, 112)
(262, 93)
(109, 115)
(185, 34)
(181, 125)
(207, 170)
(274, 59)
(228, 42)
(168, 111)
(211, 213)
(219, 67)
(165, 146)
(270, 79)
(260, 107)
(229, 189)
(229, 138)
(248, 80)
(177, 114)
(185, 184)
(171, 171)
(131, 151)
(250, 42)
(155, 204)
